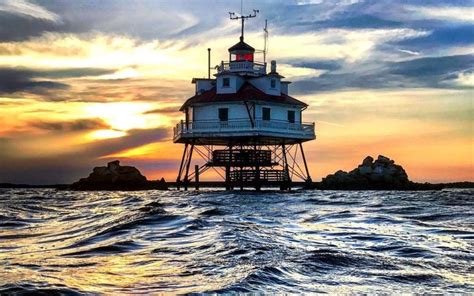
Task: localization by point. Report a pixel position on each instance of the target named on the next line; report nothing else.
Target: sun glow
(124, 116)
(158, 150)
(105, 134)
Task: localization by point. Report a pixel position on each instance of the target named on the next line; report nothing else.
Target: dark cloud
(16, 80)
(287, 17)
(19, 28)
(436, 72)
(461, 35)
(441, 67)
(74, 72)
(361, 21)
(318, 64)
(347, 21)
(32, 81)
(167, 110)
(70, 126)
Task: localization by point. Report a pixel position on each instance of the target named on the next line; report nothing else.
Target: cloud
(73, 72)
(25, 28)
(21, 80)
(361, 21)
(70, 126)
(166, 110)
(440, 39)
(133, 18)
(27, 9)
(435, 72)
(433, 66)
(14, 80)
(317, 64)
(444, 13)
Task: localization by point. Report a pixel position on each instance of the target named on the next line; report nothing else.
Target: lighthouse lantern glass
(240, 57)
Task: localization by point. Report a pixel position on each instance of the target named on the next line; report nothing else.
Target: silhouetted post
(227, 171)
(258, 186)
(308, 177)
(208, 63)
(287, 171)
(196, 176)
(186, 176)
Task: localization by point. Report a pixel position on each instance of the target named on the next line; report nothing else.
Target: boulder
(117, 177)
(367, 162)
(381, 174)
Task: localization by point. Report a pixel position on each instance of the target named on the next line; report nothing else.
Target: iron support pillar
(178, 179)
(258, 185)
(196, 176)
(308, 177)
(287, 171)
(228, 181)
(188, 163)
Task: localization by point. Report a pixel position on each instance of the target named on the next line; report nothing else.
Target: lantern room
(241, 52)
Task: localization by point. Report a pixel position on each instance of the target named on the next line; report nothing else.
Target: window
(266, 113)
(273, 83)
(244, 57)
(226, 82)
(291, 116)
(223, 114)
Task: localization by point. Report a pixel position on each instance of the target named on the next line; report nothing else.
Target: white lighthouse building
(244, 124)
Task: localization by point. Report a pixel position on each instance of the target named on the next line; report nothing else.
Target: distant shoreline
(219, 184)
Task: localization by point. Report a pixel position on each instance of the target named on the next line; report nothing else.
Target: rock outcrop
(381, 174)
(117, 177)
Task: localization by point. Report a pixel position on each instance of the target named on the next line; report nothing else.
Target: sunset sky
(85, 82)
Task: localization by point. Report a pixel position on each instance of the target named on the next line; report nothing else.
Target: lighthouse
(243, 125)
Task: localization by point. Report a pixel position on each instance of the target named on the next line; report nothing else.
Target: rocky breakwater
(381, 174)
(117, 177)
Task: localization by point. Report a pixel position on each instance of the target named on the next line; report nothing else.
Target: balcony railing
(243, 66)
(199, 128)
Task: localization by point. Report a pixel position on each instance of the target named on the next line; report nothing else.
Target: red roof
(247, 92)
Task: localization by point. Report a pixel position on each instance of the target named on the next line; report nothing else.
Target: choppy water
(176, 242)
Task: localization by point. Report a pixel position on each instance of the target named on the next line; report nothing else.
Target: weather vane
(233, 16)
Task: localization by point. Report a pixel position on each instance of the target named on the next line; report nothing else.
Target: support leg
(287, 180)
(188, 163)
(308, 177)
(196, 177)
(178, 179)
(228, 185)
(241, 172)
(258, 185)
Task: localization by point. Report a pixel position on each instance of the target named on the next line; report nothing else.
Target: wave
(304, 242)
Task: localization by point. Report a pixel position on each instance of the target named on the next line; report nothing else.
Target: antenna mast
(233, 16)
(265, 37)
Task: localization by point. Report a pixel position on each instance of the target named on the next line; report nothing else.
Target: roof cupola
(241, 52)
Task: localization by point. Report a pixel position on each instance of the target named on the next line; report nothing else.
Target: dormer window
(272, 83)
(226, 82)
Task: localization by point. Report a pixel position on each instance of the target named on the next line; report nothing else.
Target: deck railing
(243, 66)
(243, 125)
